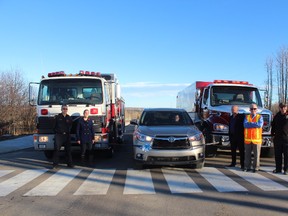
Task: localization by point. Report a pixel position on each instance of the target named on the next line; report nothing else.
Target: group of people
(84, 136)
(245, 134)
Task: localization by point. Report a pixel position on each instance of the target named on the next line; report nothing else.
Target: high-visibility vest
(253, 135)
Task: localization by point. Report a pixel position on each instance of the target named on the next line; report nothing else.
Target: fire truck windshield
(234, 95)
(70, 91)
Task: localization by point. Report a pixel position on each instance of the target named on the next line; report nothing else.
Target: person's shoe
(242, 167)
(276, 171)
(254, 170)
(285, 172)
(245, 170)
(70, 165)
(231, 165)
(55, 166)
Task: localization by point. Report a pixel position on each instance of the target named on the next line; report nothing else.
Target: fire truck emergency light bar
(81, 73)
(231, 82)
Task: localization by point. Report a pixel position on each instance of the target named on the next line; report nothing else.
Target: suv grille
(171, 142)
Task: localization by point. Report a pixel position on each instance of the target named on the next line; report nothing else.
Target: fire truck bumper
(43, 141)
(222, 140)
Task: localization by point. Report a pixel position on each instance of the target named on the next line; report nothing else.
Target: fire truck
(209, 105)
(99, 93)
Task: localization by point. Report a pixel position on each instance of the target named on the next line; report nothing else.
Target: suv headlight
(196, 140)
(220, 127)
(197, 137)
(143, 138)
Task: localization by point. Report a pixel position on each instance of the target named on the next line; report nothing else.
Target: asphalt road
(110, 186)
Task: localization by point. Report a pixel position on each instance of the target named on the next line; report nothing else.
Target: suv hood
(169, 130)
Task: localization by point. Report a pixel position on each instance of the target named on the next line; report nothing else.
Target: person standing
(62, 128)
(85, 135)
(253, 124)
(280, 138)
(236, 136)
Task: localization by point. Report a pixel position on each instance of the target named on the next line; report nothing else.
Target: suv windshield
(156, 118)
(234, 95)
(70, 91)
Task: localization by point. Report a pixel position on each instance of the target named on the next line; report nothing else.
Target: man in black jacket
(280, 134)
(236, 136)
(62, 128)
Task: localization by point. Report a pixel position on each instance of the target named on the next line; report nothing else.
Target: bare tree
(282, 74)
(15, 113)
(269, 84)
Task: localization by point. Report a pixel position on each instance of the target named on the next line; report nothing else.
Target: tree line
(16, 115)
(277, 78)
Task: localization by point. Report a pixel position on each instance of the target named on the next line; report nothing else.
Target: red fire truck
(209, 104)
(99, 93)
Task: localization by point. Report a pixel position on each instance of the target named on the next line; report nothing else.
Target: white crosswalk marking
(139, 182)
(5, 172)
(279, 175)
(53, 185)
(180, 182)
(97, 183)
(259, 181)
(219, 180)
(12, 184)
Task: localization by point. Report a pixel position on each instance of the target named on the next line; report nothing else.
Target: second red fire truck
(209, 104)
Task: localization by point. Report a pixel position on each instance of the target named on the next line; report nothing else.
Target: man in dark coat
(280, 134)
(236, 136)
(85, 135)
(62, 128)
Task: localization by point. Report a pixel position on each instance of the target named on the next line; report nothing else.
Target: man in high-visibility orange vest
(253, 124)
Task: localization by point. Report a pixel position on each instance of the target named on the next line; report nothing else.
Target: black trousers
(237, 144)
(60, 140)
(86, 147)
(281, 152)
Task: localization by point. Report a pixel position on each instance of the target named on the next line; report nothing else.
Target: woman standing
(85, 135)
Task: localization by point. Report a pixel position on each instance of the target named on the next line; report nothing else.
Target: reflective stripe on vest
(253, 135)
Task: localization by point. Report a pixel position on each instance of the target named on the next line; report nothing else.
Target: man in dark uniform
(85, 135)
(236, 136)
(280, 134)
(62, 128)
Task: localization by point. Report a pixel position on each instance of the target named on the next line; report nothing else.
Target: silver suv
(167, 136)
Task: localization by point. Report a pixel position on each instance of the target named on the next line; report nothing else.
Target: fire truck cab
(209, 105)
(99, 93)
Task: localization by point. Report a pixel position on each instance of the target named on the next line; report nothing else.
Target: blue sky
(155, 47)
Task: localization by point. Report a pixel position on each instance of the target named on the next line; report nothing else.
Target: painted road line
(219, 180)
(5, 172)
(180, 182)
(97, 183)
(12, 184)
(138, 182)
(54, 184)
(259, 181)
(278, 175)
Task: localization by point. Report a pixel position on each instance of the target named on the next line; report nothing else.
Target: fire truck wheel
(137, 165)
(48, 154)
(267, 152)
(211, 151)
(110, 152)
